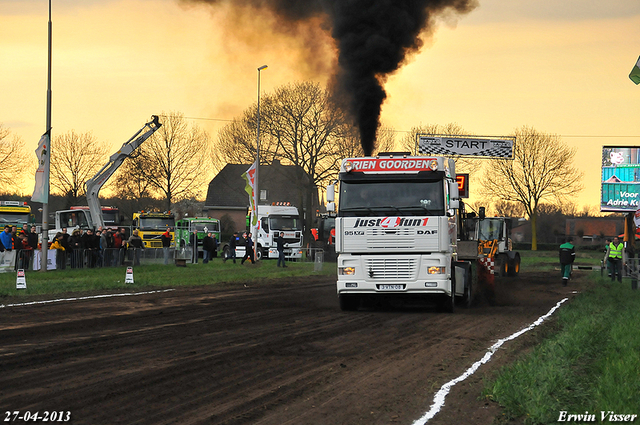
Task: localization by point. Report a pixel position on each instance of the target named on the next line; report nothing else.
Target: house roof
(227, 189)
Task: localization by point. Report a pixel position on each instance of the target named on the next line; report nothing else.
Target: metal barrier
(309, 255)
(96, 258)
(117, 257)
(629, 269)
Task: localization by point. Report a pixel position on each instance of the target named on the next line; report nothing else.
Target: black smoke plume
(374, 39)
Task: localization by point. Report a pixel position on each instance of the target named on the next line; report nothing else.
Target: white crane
(95, 183)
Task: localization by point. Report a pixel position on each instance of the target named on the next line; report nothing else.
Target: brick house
(593, 229)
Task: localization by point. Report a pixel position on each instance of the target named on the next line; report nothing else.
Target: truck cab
(396, 231)
(151, 226)
(273, 220)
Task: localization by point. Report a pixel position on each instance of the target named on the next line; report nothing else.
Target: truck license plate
(391, 287)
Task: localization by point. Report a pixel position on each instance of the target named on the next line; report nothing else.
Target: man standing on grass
(615, 258)
(567, 257)
(280, 245)
(232, 249)
(208, 246)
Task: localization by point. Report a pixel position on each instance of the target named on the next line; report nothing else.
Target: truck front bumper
(394, 274)
(289, 253)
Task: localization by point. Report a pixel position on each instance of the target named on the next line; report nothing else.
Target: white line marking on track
(438, 399)
(126, 294)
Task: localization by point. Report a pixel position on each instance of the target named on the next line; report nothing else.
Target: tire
(502, 265)
(225, 252)
(258, 253)
(514, 268)
(348, 302)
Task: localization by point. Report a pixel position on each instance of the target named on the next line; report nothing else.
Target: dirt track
(264, 354)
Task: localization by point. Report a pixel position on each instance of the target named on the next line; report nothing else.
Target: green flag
(635, 73)
(250, 178)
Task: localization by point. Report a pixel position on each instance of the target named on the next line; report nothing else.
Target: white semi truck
(396, 231)
(273, 220)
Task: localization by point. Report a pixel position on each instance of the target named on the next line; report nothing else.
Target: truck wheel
(258, 253)
(502, 267)
(348, 302)
(225, 252)
(514, 266)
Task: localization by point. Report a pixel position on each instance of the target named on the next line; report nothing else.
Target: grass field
(548, 260)
(153, 276)
(589, 361)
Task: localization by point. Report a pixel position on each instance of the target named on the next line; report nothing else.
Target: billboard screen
(620, 179)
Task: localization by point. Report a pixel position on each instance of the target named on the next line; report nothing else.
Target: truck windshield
(404, 197)
(285, 222)
(14, 218)
(210, 226)
(74, 218)
(489, 229)
(110, 217)
(156, 223)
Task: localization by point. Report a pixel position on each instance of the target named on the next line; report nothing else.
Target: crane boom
(94, 184)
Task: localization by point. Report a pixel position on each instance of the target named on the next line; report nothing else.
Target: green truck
(202, 225)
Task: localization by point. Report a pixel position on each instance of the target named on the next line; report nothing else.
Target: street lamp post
(44, 249)
(256, 192)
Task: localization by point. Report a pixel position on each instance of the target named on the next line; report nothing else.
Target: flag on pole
(635, 73)
(41, 190)
(250, 177)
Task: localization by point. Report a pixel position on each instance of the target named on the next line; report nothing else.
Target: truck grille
(390, 232)
(391, 268)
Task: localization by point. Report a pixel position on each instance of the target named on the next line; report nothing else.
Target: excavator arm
(94, 184)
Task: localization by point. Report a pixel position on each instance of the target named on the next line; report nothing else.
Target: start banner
(466, 146)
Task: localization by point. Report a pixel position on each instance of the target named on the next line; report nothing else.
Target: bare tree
(11, 160)
(508, 209)
(235, 144)
(175, 160)
(541, 169)
(75, 158)
(303, 124)
(130, 182)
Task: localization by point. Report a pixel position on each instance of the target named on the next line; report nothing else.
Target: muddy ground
(265, 353)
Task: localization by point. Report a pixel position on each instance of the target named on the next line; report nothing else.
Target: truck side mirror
(331, 193)
(454, 195)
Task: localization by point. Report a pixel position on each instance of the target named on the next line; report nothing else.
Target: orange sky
(561, 69)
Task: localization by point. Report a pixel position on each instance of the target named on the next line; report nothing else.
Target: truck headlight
(348, 166)
(346, 271)
(436, 270)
